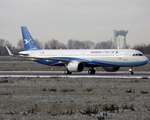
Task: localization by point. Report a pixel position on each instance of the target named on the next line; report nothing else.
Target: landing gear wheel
(131, 72)
(67, 72)
(91, 71)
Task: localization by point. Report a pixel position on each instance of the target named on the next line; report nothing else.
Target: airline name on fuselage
(115, 52)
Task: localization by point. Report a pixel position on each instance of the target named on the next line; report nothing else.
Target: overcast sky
(75, 19)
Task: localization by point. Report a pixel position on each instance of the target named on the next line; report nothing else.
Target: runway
(84, 74)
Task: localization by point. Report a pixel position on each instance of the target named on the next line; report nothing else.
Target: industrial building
(116, 40)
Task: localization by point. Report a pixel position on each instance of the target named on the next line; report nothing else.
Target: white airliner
(76, 60)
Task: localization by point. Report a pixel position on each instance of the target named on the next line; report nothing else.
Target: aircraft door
(60, 55)
(125, 57)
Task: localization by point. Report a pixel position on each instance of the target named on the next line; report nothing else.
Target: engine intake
(111, 69)
(75, 66)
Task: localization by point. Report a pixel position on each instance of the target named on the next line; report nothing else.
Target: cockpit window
(137, 55)
(140, 55)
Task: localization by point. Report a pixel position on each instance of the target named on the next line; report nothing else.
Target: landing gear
(91, 71)
(67, 72)
(130, 71)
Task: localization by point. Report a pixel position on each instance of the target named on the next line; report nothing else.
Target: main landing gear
(67, 72)
(130, 71)
(91, 71)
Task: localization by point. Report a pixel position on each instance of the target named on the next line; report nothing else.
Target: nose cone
(145, 60)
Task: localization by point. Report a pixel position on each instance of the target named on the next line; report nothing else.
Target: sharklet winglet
(9, 52)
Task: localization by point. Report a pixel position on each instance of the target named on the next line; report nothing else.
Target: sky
(75, 19)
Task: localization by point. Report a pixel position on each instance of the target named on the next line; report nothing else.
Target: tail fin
(28, 41)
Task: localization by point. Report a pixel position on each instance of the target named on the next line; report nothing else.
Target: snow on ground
(60, 98)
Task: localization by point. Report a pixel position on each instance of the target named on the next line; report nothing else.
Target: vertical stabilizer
(28, 41)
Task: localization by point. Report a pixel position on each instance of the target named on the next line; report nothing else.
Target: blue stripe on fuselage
(90, 62)
(119, 64)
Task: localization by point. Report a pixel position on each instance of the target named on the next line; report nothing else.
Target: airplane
(75, 60)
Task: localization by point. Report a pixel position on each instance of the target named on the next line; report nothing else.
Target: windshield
(138, 54)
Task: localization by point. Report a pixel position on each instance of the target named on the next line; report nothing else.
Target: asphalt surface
(122, 74)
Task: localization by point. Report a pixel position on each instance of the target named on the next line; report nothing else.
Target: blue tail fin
(28, 41)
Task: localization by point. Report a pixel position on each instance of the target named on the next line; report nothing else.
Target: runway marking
(65, 76)
(59, 74)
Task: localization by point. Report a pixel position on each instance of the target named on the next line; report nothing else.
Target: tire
(67, 72)
(131, 73)
(91, 71)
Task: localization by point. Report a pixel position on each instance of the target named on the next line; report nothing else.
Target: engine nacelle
(75, 66)
(111, 69)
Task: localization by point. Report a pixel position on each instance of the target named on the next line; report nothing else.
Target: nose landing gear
(67, 72)
(130, 71)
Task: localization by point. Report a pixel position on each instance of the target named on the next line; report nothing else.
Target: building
(121, 33)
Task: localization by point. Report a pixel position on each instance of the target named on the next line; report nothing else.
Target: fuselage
(91, 57)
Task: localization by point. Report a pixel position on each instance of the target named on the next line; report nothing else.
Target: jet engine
(75, 66)
(111, 69)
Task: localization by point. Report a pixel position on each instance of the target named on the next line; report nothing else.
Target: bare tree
(89, 44)
(70, 44)
(148, 49)
(62, 46)
(143, 48)
(104, 45)
(39, 44)
(3, 44)
(54, 44)
(20, 45)
(76, 44)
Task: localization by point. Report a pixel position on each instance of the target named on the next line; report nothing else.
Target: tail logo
(27, 41)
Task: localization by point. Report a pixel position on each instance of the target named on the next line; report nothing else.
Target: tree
(20, 45)
(143, 48)
(104, 45)
(76, 44)
(89, 44)
(70, 44)
(3, 44)
(54, 44)
(39, 44)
